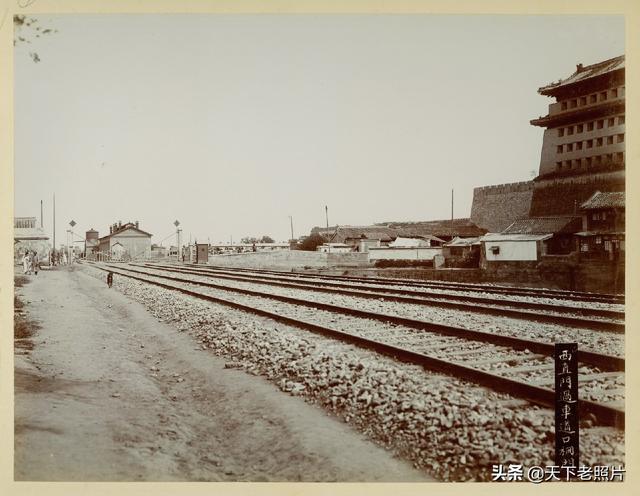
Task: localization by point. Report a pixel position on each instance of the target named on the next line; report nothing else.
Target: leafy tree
(25, 29)
(312, 242)
(251, 240)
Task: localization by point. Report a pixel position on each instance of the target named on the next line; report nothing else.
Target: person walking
(36, 263)
(110, 279)
(25, 262)
(64, 258)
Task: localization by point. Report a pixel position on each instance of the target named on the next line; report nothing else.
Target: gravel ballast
(452, 429)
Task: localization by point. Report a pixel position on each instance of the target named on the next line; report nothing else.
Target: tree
(25, 29)
(312, 242)
(251, 240)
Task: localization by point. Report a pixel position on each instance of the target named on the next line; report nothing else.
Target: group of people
(31, 262)
(57, 258)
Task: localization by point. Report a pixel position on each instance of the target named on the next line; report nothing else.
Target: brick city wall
(495, 207)
(563, 195)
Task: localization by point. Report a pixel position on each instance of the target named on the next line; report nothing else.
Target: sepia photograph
(318, 247)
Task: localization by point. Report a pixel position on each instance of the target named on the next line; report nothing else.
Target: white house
(498, 247)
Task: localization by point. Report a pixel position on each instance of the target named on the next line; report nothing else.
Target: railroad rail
(456, 286)
(438, 337)
(523, 310)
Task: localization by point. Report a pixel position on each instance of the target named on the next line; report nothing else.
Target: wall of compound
(290, 259)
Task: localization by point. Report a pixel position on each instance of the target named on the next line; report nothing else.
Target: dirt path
(108, 393)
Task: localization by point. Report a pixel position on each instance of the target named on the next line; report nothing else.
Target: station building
(124, 241)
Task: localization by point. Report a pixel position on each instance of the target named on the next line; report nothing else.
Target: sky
(232, 123)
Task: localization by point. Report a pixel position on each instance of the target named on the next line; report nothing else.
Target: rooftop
(607, 199)
(545, 225)
(583, 73)
(440, 228)
(515, 237)
(117, 229)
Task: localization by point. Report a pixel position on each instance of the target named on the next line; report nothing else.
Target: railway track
(537, 312)
(520, 367)
(484, 288)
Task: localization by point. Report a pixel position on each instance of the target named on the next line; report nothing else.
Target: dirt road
(108, 393)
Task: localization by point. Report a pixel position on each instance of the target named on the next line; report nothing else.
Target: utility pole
(451, 208)
(41, 212)
(54, 221)
(326, 213)
(291, 219)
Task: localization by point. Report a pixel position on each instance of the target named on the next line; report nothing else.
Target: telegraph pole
(291, 219)
(54, 221)
(451, 208)
(326, 213)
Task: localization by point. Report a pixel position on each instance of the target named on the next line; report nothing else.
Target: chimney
(119, 223)
(579, 68)
(137, 224)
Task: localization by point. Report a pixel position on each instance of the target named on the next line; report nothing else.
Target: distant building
(446, 229)
(91, 242)
(414, 242)
(352, 235)
(158, 251)
(334, 248)
(385, 233)
(28, 236)
(228, 248)
(603, 226)
(126, 241)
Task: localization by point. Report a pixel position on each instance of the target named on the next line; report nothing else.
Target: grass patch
(23, 328)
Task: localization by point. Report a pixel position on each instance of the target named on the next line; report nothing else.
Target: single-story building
(334, 248)
(500, 247)
(462, 252)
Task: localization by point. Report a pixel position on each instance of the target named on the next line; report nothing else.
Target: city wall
(561, 196)
(495, 207)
